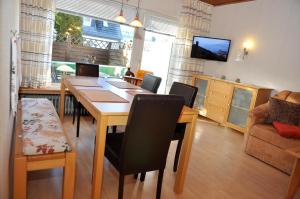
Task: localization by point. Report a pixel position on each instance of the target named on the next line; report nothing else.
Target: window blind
(160, 24)
(102, 9)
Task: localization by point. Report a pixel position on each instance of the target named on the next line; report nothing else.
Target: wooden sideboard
(228, 102)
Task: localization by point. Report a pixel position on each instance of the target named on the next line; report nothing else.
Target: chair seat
(42, 131)
(113, 147)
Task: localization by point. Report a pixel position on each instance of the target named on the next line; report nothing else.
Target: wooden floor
(218, 169)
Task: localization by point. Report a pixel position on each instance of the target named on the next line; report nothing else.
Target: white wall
(9, 16)
(274, 25)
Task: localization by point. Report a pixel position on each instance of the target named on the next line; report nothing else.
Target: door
(156, 56)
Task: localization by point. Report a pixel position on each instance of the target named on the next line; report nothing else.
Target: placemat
(89, 87)
(123, 85)
(83, 82)
(134, 92)
(103, 96)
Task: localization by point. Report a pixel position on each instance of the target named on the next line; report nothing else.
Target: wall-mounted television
(210, 48)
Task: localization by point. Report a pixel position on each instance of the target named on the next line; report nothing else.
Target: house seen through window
(84, 39)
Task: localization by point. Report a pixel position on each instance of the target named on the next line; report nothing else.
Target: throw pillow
(284, 112)
(286, 130)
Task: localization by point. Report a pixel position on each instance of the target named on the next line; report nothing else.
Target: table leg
(62, 101)
(294, 180)
(99, 156)
(184, 155)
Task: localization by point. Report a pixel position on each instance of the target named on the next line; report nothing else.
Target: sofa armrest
(259, 114)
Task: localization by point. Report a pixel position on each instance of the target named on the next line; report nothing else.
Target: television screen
(210, 48)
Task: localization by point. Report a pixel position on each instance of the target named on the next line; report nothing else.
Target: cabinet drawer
(221, 87)
(216, 97)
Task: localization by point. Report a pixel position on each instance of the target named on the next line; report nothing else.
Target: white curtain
(195, 20)
(36, 29)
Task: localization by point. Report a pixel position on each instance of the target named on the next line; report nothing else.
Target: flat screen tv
(210, 48)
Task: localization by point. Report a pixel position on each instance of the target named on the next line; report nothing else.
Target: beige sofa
(262, 140)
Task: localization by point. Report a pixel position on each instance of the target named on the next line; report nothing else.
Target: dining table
(109, 100)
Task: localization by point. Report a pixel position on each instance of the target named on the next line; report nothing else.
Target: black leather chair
(189, 93)
(144, 145)
(151, 83)
(82, 69)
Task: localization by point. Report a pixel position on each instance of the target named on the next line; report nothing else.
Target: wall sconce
(247, 46)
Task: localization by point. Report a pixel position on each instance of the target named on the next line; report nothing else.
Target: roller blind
(160, 24)
(106, 10)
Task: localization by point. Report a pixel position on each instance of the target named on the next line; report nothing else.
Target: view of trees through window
(89, 40)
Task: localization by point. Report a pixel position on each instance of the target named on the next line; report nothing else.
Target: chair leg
(93, 120)
(121, 186)
(143, 175)
(74, 109)
(159, 183)
(78, 118)
(177, 155)
(114, 129)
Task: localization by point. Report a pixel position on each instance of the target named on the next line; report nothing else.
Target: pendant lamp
(120, 18)
(136, 21)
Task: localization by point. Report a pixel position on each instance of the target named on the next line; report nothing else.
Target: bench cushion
(42, 131)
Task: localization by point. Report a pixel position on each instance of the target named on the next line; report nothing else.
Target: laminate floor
(218, 169)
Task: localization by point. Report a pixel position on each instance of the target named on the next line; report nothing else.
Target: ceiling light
(136, 21)
(120, 18)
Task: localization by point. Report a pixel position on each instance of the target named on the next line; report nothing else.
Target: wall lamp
(247, 46)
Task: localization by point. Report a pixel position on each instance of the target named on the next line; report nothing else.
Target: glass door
(156, 56)
(201, 95)
(239, 108)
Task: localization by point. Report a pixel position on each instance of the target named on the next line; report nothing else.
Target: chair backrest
(90, 70)
(187, 91)
(141, 73)
(149, 130)
(151, 83)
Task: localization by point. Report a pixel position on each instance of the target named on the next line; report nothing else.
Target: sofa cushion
(286, 130)
(269, 134)
(294, 97)
(270, 154)
(282, 94)
(42, 132)
(284, 111)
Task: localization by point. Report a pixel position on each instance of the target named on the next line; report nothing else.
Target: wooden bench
(40, 143)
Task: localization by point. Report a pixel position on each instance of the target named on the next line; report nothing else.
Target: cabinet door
(202, 85)
(218, 100)
(239, 107)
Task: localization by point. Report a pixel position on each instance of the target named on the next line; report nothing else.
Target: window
(86, 39)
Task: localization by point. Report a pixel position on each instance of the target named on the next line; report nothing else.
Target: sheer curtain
(195, 19)
(36, 30)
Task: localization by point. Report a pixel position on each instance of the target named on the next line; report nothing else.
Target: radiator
(55, 100)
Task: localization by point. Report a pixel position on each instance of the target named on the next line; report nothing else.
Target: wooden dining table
(110, 112)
